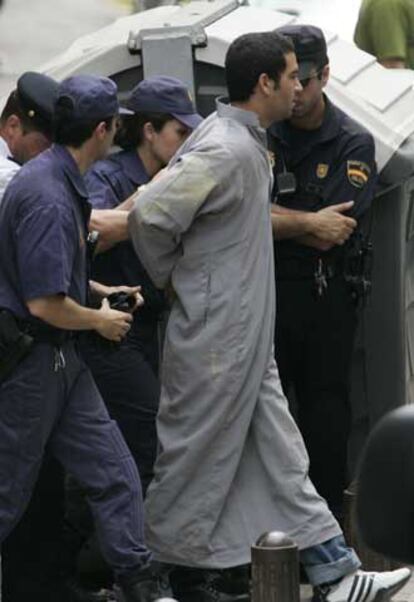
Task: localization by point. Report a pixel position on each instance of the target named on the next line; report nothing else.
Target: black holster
(14, 344)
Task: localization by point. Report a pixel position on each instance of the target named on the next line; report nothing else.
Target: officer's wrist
(96, 319)
(309, 222)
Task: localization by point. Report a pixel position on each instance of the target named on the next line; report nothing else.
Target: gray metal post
(275, 569)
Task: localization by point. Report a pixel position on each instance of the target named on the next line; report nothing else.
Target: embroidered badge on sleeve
(358, 173)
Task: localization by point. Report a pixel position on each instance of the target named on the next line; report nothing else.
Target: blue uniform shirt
(109, 183)
(43, 230)
(333, 164)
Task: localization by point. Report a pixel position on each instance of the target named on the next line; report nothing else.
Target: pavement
(33, 32)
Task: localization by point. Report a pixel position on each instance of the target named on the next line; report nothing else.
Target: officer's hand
(340, 207)
(112, 324)
(331, 226)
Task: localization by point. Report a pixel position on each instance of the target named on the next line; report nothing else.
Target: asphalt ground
(31, 32)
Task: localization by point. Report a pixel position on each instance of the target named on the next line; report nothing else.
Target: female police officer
(162, 117)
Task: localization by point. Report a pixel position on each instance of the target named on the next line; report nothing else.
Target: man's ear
(265, 84)
(101, 130)
(325, 75)
(148, 131)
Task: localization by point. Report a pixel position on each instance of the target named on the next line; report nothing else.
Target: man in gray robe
(232, 463)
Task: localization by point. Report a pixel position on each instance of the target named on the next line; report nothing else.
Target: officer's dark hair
(249, 56)
(130, 135)
(70, 131)
(37, 123)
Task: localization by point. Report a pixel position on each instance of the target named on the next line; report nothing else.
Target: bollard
(275, 569)
(371, 561)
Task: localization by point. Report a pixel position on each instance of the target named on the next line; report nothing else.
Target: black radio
(14, 344)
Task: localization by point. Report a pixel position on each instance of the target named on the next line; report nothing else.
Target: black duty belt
(43, 333)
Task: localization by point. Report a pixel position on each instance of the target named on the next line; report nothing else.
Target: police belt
(44, 333)
(306, 268)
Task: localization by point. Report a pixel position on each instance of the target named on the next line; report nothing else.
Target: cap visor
(125, 111)
(305, 69)
(191, 120)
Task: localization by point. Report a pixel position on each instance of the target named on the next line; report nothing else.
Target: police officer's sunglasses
(306, 80)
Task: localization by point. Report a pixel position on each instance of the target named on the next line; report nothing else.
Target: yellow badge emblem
(358, 173)
(322, 170)
(272, 158)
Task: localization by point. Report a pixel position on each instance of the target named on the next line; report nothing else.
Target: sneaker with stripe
(363, 587)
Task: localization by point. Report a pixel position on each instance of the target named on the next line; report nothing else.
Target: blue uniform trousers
(313, 345)
(126, 378)
(52, 398)
(32, 556)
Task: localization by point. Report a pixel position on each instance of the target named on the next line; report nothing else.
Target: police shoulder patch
(358, 173)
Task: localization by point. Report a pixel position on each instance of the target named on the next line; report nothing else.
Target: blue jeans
(329, 561)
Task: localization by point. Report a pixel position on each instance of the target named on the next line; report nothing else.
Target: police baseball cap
(88, 97)
(163, 94)
(37, 94)
(310, 47)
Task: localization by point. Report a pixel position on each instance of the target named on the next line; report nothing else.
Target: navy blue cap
(163, 94)
(37, 93)
(310, 47)
(88, 97)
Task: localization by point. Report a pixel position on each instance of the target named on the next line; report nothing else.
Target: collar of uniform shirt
(133, 167)
(71, 170)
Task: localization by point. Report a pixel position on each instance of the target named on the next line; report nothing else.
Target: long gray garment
(232, 463)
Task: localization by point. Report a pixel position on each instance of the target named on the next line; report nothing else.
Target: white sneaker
(363, 587)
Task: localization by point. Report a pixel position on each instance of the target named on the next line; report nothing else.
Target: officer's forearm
(112, 225)
(288, 223)
(129, 202)
(63, 312)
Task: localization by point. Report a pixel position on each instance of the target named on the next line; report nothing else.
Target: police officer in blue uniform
(30, 554)
(47, 394)
(162, 116)
(325, 177)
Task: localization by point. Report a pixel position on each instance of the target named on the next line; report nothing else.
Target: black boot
(72, 591)
(149, 584)
(201, 585)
